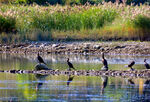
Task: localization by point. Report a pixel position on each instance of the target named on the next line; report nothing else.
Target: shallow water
(31, 87)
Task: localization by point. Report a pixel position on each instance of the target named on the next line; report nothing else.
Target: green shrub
(87, 19)
(142, 22)
(7, 24)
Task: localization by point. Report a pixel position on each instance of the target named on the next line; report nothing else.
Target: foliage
(96, 22)
(76, 20)
(71, 2)
(7, 24)
(142, 22)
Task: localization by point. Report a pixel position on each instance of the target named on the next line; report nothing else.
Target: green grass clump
(7, 24)
(78, 20)
(142, 22)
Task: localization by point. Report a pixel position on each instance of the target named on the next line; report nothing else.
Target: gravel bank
(133, 48)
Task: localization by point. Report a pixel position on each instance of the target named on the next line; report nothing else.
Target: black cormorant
(131, 64)
(70, 64)
(104, 61)
(40, 59)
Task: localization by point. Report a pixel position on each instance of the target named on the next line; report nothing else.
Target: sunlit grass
(101, 22)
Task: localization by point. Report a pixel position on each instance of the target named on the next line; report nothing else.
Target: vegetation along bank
(106, 21)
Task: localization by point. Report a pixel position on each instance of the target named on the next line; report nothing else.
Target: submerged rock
(41, 66)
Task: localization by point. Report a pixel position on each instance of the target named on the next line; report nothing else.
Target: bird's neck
(103, 56)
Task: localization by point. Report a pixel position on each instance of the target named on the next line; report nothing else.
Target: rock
(62, 47)
(42, 67)
(76, 48)
(55, 45)
(118, 47)
(30, 46)
(36, 46)
(96, 46)
(85, 50)
(86, 45)
(7, 47)
(42, 45)
(102, 49)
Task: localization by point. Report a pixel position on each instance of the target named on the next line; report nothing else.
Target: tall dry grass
(106, 21)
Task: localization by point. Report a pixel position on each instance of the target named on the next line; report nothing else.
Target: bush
(7, 24)
(142, 22)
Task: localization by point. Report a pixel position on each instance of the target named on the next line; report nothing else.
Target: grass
(7, 24)
(102, 22)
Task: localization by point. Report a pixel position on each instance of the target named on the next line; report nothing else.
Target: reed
(95, 22)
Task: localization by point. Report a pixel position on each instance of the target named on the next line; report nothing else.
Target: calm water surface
(50, 88)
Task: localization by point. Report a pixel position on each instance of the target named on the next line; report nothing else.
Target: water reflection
(34, 88)
(104, 83)
(112, 59)
(146, 91)
(131, 81)
(37, 87)
(70, 78)
(41, 79)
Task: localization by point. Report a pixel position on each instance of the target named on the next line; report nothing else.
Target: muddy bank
(138, 48)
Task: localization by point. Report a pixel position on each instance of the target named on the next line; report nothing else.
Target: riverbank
(103, 22)
(130, 48)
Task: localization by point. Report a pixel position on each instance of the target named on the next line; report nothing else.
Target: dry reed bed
(107, 21)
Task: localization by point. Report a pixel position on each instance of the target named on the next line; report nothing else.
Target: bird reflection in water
(70, 78)
(104, 83)
(146, 88)
(41, 79)
(130, 81)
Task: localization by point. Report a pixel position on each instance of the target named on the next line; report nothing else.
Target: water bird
(130, 65)
(104, 61)
(70, 64)
(146, 64)
(40, 59)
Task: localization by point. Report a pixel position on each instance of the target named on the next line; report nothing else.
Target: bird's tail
(132, 69)
(74, 68)
(44, 63)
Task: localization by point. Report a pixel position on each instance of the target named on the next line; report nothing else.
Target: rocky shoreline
(131, 48)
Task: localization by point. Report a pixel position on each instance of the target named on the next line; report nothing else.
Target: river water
(52, 88)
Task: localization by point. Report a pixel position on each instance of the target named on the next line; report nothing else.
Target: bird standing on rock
(40, 59)
(131, 64)
(146, 64)
(104, 61)
(70, 64)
